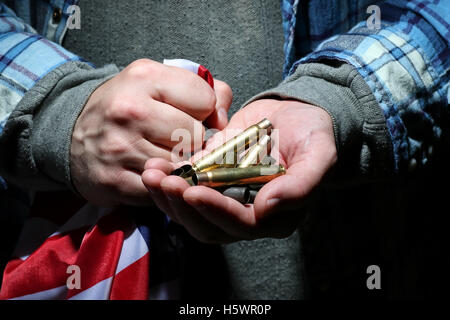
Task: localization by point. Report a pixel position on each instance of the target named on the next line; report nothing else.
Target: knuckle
(206, 104)
(142, 68)
(223, 90)
(204, 93)
(114, 144)
(123, 110)
(211, 100)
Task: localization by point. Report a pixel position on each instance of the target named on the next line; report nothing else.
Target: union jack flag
(110, 248)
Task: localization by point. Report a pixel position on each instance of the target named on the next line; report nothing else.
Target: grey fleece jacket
(38, 132)
(38, 136)
(362, 139)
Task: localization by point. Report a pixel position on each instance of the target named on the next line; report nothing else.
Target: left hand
(306, 148)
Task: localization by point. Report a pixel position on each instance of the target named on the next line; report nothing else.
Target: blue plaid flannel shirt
(405, 63)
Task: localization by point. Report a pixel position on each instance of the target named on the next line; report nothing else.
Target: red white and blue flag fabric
(121, 253)
(110, 248)
(194, 67)
(105, 244)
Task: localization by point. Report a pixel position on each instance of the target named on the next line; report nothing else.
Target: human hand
(130, 118)
(306, 148)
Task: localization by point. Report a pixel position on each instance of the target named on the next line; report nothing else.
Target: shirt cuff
(38, 133)
(362, 139)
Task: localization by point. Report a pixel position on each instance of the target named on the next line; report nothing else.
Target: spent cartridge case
(252, 195)
(187, 170)
(189, 180)
(268, 160)
(183, 171)
(240, 194)
(238, 176)
(215, 158)
(256, 153)
(255, 186)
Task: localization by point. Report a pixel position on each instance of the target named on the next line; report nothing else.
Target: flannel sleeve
(43, 89)
(25, 57)
(386, 89)
(405, 63)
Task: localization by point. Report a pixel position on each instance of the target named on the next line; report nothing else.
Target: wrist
(54, 122)
(362, 139)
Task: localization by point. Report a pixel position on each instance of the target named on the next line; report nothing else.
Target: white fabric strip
(183, 63)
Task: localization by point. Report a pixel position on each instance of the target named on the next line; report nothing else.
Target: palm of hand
(306, 148)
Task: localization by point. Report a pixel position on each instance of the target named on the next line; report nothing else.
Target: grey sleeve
(362, 138)
(36, 139)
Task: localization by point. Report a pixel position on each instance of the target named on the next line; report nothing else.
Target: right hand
(130, 118)
(306, 148)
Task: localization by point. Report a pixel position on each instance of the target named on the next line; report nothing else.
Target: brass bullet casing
(256, 153)
(183, 171)
(244, 195)
(268, 160)
(187, 171)
(240, 194)
(238, 176)
(189, 180)
(215, 158)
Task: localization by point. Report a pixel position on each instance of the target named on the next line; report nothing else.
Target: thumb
(288, 190)
(292, 189)
(224, 97)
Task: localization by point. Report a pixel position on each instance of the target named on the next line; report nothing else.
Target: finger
(292, 189)
(171, 127)
(174, 187)
(151, 179)
(158, 122)
(184, 90)
(228, 214)
(131, 190)
(142, 150)
(224, 97)
(160, 164)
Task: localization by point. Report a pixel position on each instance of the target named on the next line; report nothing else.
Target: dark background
(400, 224)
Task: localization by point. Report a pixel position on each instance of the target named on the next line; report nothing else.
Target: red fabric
(131, 283)
(44, 269)
(96, 250)
(100, 251)
(205, 74)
